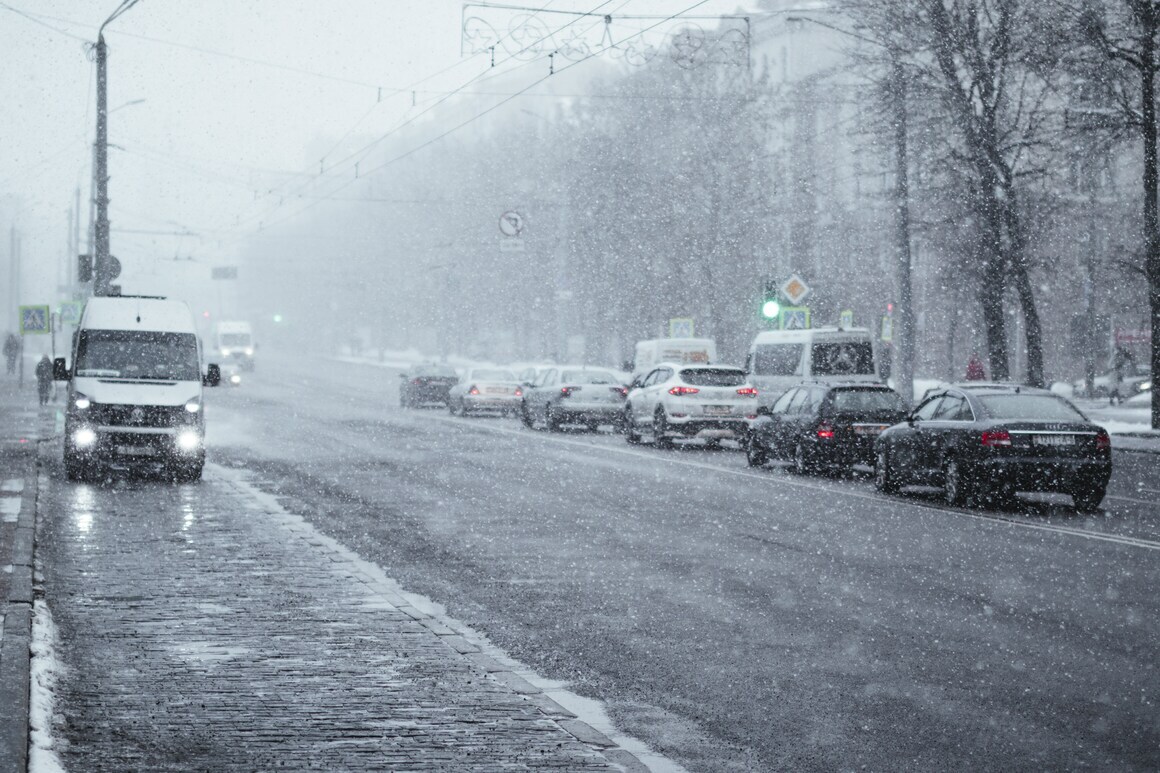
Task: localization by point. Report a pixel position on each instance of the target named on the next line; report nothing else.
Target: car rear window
(866, 401)
(724, 377)
(777, 359)
(589, 377)
(1041, 407)
(848, 358)
(493, 375)
(433, 370)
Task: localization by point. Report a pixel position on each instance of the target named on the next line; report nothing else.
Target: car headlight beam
(84, 437)
(188, 440)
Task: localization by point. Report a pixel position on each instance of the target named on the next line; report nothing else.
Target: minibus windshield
(138, 354)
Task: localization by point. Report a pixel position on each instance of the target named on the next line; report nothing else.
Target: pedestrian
(1116, 377)
(975, 371)
(44, 379)
(11, 350)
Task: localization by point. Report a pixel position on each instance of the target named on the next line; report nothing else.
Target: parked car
(425, 384)
(989, 443)
(1135, 379)
(574, 395)
(492, 390)
(822, 426)
(711, 402)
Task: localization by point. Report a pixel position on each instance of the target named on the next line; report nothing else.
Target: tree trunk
(1148, 21)
(1022, 277)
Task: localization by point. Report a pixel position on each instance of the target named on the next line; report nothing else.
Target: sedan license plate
(1054, 440)
(496, 390)
(718, 410)
(135, 450)
(869, 429)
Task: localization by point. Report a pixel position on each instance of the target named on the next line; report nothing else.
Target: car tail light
(519, 392)
(680, 391)
(567, 391)
(747, 392)
(474, 390)
(417, 381)
(825, 431)
(993, 438)
(1103, 441)
(622, 391)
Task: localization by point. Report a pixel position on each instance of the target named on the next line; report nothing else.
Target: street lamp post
(103, 265)
(903, 332)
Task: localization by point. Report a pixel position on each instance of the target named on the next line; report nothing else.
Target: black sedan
(426, 384)
(986, 444)
(824, 426)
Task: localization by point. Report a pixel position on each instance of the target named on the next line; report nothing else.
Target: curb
(15, 648)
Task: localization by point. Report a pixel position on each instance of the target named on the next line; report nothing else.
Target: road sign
(846, 319)
(795, 289)
(1128, 336)
(888, 328)
(70, 312)
(681, 327)
(35, 320)
(795, 318)
(511, 223)
(224, 272)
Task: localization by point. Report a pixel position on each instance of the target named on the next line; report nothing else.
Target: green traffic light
(770, 309)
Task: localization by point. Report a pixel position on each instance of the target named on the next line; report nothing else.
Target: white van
(778, 359)
(692, 351)
(135, 389)
(234, 341)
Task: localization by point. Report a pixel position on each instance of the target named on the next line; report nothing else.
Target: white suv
(711, 402)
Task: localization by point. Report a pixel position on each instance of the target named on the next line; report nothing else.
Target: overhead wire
(341, 164)
(459, 126)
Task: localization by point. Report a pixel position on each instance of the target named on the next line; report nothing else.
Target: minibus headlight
(193, 406)
(81, 402)
(188, 440)
(84, 437)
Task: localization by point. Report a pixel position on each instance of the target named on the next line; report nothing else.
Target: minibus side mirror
(213, 375)
(59, 370)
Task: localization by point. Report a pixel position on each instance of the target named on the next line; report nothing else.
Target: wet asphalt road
(737, 619)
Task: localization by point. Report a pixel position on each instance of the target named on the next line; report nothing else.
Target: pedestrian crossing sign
(795, 318)
(70, 312)
(35, 320)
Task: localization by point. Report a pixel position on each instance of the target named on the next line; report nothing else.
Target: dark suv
(824, 426)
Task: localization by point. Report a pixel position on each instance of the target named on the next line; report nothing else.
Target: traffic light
(770, 307)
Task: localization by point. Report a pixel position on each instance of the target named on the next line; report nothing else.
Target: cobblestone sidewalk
(202, 628)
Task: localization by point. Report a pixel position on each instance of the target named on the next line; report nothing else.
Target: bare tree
(1125, 33)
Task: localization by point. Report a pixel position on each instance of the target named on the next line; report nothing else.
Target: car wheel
(661, 437)
(755, 455)
(885, 479)
(1087, 500)
(526, 416)
(801, 460)
(631, 434)
(551, 421)
(188, 472)
(956, 488)
(451, 407)
(74, 470)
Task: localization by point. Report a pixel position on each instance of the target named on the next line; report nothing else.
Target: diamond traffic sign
(795, 289)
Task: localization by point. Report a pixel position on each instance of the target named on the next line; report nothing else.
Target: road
(735, 619)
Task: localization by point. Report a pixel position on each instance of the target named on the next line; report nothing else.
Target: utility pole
(105, 266)
(101, 262)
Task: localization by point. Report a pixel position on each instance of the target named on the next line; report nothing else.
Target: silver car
(710, 402)
(491, 390)
(574, 395)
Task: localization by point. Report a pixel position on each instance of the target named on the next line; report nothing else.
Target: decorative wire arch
(634, 39)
